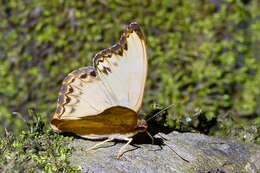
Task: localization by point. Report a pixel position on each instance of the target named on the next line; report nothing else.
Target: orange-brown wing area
(115, 120)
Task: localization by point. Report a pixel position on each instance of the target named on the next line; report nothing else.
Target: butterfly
(103, 101)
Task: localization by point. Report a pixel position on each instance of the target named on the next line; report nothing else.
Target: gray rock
(179, 152)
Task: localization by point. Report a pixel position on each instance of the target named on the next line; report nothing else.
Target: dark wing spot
(107, 69)
(120, 52)
(129, 29)
(66, 89)
(72, 110)
(123, 42)
(105, 52)
(125, 46)
(70, 89)
(59, 110)
(104, 70)
(137, 29)
(101, 59)
(61, 99)
(68, 99)
(117, 49)
(93, 73)
(83, 75)
(97, 56)
(96, 59)
(89, 71)
(115, 63)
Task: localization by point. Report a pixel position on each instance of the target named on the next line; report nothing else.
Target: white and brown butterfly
(103, 101)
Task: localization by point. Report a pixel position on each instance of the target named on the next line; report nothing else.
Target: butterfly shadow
(149, 137)
(155, 126)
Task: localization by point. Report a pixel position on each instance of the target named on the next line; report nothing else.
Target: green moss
(35, 150)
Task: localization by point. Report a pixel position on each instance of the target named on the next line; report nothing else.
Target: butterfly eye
(141, 125)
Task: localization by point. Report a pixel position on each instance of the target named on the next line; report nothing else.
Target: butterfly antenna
(158, 113)
(177, 153)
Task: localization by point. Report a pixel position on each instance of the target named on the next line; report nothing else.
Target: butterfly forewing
(124, 73)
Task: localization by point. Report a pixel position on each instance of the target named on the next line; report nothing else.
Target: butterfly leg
(152, 139)
(121, 151)
(98, 144)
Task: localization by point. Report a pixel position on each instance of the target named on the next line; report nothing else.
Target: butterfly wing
(117, 78)
(114, 120)
(122, 68)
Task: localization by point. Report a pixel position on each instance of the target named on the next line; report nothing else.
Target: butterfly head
(141, 126)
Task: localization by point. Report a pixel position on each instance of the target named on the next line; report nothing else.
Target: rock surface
(174, 152)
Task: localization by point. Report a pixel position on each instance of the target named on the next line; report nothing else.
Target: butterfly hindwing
(115, 120)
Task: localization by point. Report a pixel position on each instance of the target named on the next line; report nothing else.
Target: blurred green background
(203, 56)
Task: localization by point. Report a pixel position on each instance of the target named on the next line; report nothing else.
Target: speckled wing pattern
(117, 78)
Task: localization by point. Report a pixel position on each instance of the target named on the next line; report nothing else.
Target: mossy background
(203, 55)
